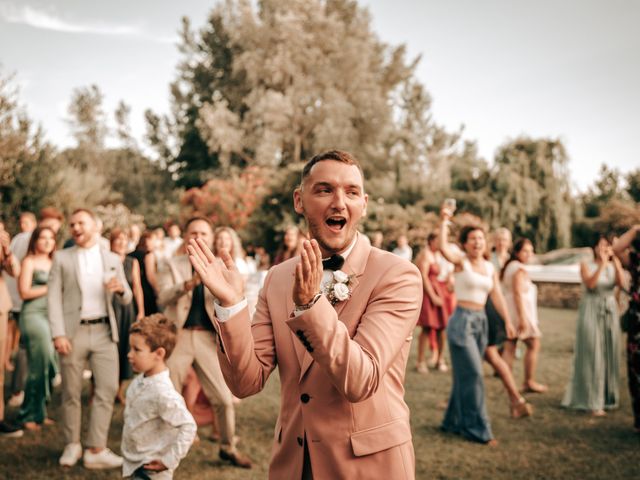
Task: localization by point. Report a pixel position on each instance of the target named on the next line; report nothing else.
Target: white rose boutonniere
(339, 289)
(340, 277)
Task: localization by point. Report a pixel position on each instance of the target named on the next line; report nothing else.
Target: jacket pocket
(383, 437)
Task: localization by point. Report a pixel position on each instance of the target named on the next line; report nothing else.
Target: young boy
(158, 428)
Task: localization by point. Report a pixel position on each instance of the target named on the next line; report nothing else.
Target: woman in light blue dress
(595, 382)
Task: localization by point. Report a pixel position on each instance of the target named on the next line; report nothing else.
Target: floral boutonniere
(339, 288)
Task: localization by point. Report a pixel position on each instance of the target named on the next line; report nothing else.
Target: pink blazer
(341, 368)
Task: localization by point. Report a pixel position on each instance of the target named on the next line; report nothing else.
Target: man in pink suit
(340, 338)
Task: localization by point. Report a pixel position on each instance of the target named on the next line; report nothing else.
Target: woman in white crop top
(522, 302)
(475, 281)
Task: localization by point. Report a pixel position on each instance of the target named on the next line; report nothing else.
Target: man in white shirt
(173, 241)
(83, 283)
(403, 250)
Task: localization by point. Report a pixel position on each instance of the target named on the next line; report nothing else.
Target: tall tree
(87, 117)
(531, 186)
(264, 84)
(26, 160)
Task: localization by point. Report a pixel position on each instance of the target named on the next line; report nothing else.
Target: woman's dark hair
(142, 243)
(517, 248)
(597, 239)
(466, 231)
(31, 249)
(431, 237)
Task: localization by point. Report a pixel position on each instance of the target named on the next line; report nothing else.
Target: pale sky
(568, 69)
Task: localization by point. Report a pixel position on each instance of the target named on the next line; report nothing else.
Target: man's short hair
(198, 218)
(157, 332)
(51, 212)
(335, 155)
(87, 211)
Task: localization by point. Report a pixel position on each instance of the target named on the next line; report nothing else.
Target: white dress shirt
(223, 314)
(403, 252)
(157, 424)
(19, 246)
(92, 279)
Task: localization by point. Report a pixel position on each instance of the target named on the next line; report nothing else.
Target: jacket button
(304, 398)
(300, 442)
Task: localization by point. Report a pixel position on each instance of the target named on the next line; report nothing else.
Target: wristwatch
(307, 306)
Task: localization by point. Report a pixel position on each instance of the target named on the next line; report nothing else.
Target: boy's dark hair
(157, 331)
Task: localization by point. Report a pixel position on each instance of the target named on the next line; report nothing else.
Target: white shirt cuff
(223, 313)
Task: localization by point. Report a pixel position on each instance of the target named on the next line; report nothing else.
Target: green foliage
(531, 187)
(26, 160)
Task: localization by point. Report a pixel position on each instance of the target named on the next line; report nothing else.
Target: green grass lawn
(554, 443)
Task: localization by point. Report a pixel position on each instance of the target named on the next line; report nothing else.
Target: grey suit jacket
(172, 295)
(65, 297)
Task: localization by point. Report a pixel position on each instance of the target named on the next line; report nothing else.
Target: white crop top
(471, 286)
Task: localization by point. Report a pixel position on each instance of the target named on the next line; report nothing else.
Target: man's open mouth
(336, 223)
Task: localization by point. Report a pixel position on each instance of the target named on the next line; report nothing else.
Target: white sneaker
(105, 458)
(87, 374)
(57, 381)
(71, 454)
(16, 400)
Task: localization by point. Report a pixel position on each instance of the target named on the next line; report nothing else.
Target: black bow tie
(334, 263)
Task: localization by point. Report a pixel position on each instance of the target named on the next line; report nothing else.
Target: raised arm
(449, 253)
(620, 248)
(247, 351)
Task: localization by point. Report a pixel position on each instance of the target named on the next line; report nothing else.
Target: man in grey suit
(84, 281)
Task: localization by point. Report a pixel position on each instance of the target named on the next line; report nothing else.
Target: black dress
(125, 316)
(150, 305)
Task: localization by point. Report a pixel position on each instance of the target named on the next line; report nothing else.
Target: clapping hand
(309, 273)
(219, 275)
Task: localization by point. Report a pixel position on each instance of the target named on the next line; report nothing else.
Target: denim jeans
(467, 338)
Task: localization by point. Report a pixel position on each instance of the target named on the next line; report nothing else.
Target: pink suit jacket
(341, 368)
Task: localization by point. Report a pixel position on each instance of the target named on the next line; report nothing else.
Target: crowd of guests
(481, 298)
(132, 300)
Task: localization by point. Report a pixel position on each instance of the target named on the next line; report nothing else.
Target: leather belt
(94, 321)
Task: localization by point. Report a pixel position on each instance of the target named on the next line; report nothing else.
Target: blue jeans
(467, 413)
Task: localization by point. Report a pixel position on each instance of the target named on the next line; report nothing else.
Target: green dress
(34, 327)
(595, 383)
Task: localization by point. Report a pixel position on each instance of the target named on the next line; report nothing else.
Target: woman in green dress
(34, 326)
(594, 385)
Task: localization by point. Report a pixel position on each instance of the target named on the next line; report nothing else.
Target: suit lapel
(75, 265)
(355, 265)
(106, 264)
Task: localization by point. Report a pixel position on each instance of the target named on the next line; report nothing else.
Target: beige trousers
(92, 343)
(4, 316)
(198, 347)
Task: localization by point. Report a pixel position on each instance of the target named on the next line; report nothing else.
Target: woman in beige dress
(521, 296)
